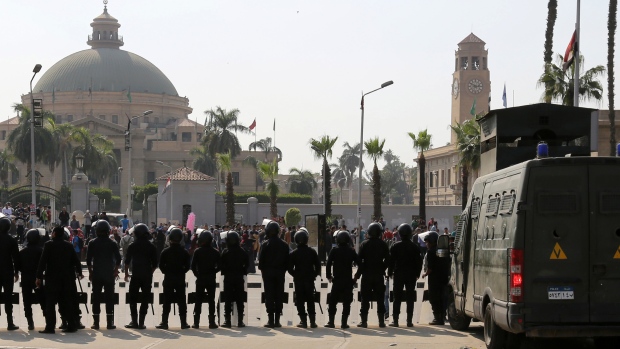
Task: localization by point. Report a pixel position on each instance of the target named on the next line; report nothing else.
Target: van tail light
(515, 275)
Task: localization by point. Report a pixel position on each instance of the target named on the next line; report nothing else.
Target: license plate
(560, 293)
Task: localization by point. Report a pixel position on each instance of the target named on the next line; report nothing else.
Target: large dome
(105, 69)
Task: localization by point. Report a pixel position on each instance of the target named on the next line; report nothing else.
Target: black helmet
(176, 235)
(432, 237)
(5, 224)
(141, 231)
(405, 231)
(33, 236)
(272, 229)
(232, 239)
(58, 232)
(102, 228)
(375, 230)
(205, 238)
(343, 238)
(301, 237)
(66, 234)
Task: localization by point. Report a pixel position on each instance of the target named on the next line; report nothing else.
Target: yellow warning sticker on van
(557, 252)
(617, 255)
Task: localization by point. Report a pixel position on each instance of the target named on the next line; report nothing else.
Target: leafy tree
(203, 161)
(339, 178)
(421, 142)
(266, 146)
(220, 130)
(19, 139)
(322, 149)
(349, 162)
(99, 158)
(269, 173)
(142, 192)
(392, 179)
(302, 181)
(7, 163)
(292, 216)
(559, 85)
(468, 145)
(611, 27)
(552, 14)
(224, 162)
(374, 149)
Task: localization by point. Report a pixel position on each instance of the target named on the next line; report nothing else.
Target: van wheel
(494, 336)
(458, 320)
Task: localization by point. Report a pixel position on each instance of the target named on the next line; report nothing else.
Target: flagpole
(576, 54)
(274, 132)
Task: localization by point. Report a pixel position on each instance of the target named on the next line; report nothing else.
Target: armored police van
(537, 248)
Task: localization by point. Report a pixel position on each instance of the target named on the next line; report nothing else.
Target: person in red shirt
(388, 235)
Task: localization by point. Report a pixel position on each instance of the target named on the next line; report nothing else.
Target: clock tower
(471, 80)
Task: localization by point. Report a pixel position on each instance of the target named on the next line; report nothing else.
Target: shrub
(292, 216)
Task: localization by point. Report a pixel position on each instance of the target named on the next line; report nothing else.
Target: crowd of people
(50, 265)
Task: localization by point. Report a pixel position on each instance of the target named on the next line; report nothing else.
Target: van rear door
(604, 243)
(557, 245)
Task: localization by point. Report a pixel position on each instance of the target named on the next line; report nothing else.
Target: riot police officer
(273, 263)
(103, 260)
(61, 265)
(29, 258)
(234, 264)
(304, 267)
(174, 262)
(373, 260)
(438, 272)
(205, 265)
(341, 258)
(9, 267)
(405, 266)
(141, 258)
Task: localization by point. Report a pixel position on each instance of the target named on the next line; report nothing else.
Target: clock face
(474, 86)
(455, 88)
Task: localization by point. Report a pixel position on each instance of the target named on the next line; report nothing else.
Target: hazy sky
(305, 63)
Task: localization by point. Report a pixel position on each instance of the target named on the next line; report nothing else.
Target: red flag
(167, 185)
(571, 50)
(253, 125)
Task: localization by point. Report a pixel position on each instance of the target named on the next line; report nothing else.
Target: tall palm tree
(224, 162)
(19, 139)
(322, 149)
(203, 161)
(339, 179)
(266, 146)
(64, 136)
(269, 172)
(99, 159)
(421, 142)
(349, 161)
(559, 84)
(302, 181)
(7, 163)
(220, 130)
(611, 42)
(468, 145)
(552, 14)
(374, 149)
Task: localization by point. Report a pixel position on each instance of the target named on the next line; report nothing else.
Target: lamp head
(386, 84)
(147, 112)
(37, 68)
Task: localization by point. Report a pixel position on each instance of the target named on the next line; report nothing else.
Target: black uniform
(373, 260)
(304, 267)
(174, 262)
(341, 259)
(405, 266)
(29, 262)
(142, 258)
(107, 259)
(234, 266)
(60, 264)
(438, 277)
(273, 263)
(205, 265)
(9, 267)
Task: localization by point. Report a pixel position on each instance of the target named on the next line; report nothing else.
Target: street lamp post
(359, 180)
(37, 68)
(170, 171)
(129, 181)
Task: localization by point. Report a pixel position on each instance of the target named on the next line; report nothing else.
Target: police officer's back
(205, 265)
(234, 264)
(340, 259)
(273, 263)
(29, 258)
(304, 266)
(174, 262)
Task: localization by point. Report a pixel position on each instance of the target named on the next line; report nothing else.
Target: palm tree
(339, 178)
(64, 136)
(302, 181)
(99, 159)
(19, 139)
(421, 142)
(322, 149)
(611, 27)
(349, 161)
(468, 145)
(224, 162)
(220, 131)
(203, 161)
(269, 172)
(7, 163)
(265, 145)
(559, 84)
(552, 14)
(374, 149)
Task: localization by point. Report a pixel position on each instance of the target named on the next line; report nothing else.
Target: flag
(570, 53)
(473, 109)
(129, 94)
(253, 125)
(166, 186)
(274, 124)
(504, 99)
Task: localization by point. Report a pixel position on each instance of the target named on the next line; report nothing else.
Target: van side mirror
(443, 246)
